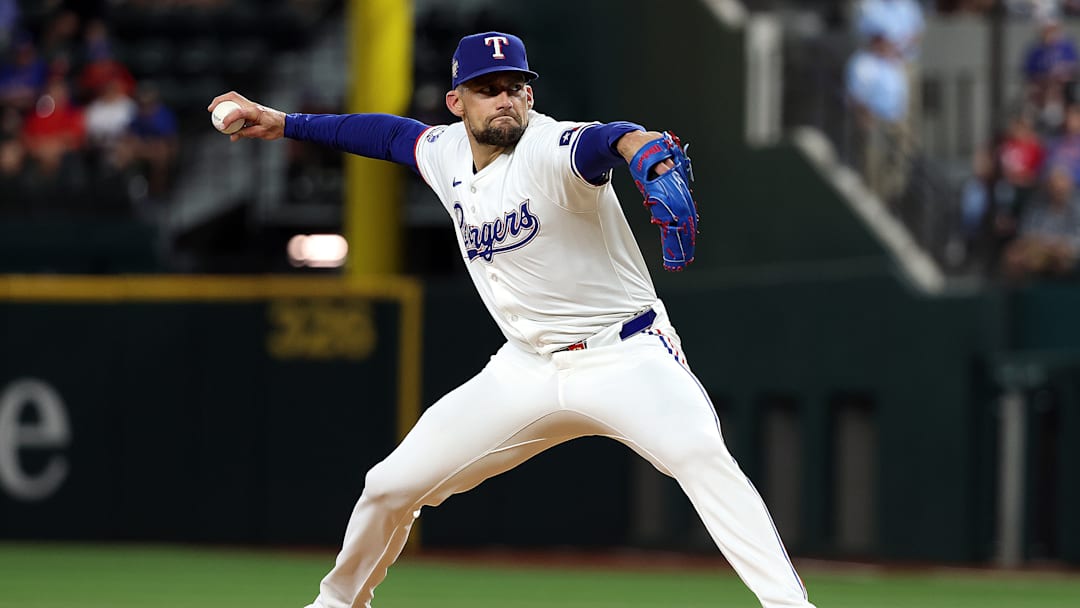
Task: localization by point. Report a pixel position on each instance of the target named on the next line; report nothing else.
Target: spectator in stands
(22, 79)
(60, 37)
(55, 131)
(978, 198)
(1050, 71)
(9, 21)
(154, 138)
(1064, 151)
(900, 21)
(875, 82)
(108, 117)
(96, 42)
(1049, 237)
(1021, 156)
(11, 159)
(1039, 8)
(877, 89)
(60, 47)
(101, 67)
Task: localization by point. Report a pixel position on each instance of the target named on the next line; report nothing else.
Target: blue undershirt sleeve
(595, 153)
(381, 136)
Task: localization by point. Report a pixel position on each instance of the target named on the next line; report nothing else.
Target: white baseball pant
(638, 391)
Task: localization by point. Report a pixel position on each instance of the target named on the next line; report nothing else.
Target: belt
(629, 327)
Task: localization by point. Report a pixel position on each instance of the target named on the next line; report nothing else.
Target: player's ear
(529, 95)
(454, 103)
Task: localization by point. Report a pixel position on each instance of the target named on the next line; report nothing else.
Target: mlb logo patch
(434, 134)
(564, 139)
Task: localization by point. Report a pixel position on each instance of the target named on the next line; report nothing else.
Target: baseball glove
(668, 197)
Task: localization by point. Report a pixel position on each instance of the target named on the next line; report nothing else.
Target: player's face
(494, 107)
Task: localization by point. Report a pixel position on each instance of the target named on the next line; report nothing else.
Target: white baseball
(222, 110)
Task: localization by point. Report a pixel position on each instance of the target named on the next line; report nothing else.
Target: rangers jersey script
(552, 255)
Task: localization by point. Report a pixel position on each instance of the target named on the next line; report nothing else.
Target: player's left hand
(662, 173)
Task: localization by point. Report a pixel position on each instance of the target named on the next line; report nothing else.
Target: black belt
(630, 327)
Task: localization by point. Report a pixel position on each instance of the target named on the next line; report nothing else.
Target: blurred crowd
(1019, 215)
(1019, 8)
(79, 133)
(74, 123)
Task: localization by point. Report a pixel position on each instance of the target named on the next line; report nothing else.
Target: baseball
(222, 110)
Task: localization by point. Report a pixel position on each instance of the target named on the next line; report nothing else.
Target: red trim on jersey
(416, 159)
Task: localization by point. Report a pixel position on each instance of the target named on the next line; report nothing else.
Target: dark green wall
(911, 358)
(78, 245)
(185, 427)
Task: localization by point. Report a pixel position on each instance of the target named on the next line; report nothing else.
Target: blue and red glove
(668, 197)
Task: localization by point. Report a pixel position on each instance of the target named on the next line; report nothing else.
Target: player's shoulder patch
(434, 133)
(567, 136)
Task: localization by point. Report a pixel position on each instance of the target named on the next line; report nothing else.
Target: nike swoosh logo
(456, 182)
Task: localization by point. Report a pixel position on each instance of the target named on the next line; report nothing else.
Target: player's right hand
(260, 122)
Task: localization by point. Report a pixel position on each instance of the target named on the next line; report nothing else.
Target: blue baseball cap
(489, 52)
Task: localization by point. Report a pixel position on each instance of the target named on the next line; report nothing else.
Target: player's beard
(501, 136)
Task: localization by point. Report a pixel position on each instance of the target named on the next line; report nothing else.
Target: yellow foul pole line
(380, 36)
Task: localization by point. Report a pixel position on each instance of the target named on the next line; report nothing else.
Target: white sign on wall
(32, 416)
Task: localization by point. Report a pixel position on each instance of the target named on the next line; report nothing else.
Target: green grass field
(80, 576)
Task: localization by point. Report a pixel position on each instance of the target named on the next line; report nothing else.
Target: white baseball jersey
(552, 255)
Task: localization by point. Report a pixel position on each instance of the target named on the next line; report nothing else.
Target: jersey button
(514, 318)
(473, 189)
(494, 278)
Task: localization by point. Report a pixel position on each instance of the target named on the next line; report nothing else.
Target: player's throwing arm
(259, 121)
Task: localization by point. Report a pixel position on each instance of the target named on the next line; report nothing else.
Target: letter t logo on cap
(497, 42)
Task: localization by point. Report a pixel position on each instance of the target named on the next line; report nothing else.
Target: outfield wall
(249, 410)
(186, 408)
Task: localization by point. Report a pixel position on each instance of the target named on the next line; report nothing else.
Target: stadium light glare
(317, 250)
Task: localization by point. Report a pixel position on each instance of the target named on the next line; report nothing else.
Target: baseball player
(589, 347)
